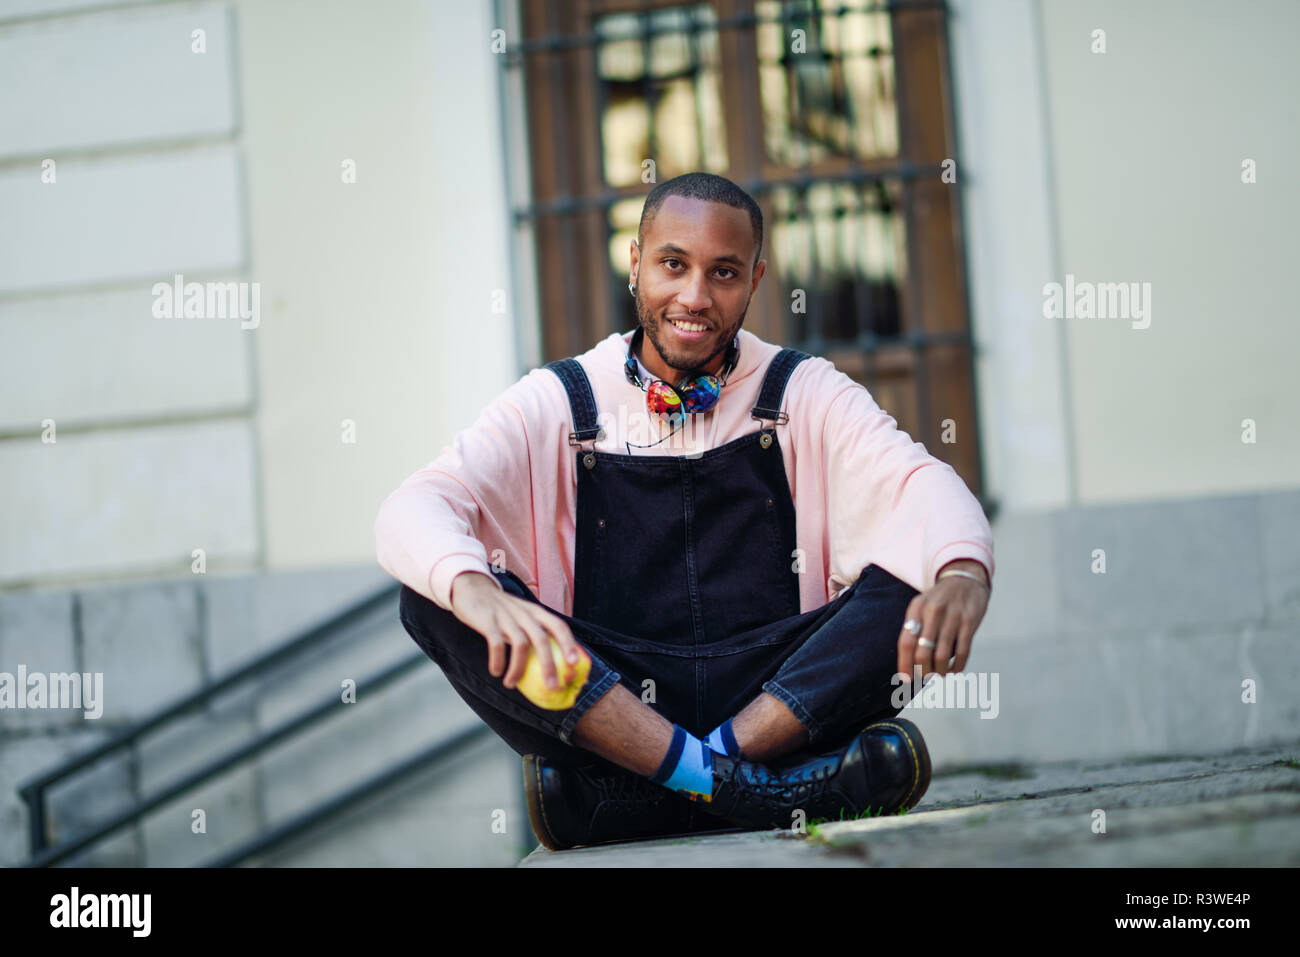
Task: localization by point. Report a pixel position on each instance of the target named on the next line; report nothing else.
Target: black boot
(602, 802)
(883, 769)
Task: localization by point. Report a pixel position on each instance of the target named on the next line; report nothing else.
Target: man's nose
(694, 296)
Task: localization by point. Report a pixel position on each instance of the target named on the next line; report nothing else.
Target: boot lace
(795, 787)
(625, 786)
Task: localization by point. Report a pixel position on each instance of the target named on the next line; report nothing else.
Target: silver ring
(926, 643)
(913, 626)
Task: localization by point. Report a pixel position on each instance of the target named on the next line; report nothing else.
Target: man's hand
(949, 613)
(506, 620)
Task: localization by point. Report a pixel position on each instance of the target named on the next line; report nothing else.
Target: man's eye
(726, 270)
(671, 262)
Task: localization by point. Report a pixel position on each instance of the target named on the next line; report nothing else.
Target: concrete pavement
(1239, 809)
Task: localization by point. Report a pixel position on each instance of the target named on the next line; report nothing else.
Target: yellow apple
(533, 684)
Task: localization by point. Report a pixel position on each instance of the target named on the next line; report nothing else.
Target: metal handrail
(326, 708)
(256, 666)
(283, 833)
(33, 791)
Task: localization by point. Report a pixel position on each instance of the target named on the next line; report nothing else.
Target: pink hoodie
(505, 490)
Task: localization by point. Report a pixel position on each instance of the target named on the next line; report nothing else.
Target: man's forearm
(470, 579)
(967, 565)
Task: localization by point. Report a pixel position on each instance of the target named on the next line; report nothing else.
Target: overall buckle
(781, 417)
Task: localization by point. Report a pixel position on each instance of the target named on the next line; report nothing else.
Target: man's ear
(634, 255)
(758, 274)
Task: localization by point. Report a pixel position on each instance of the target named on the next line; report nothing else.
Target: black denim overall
(687, 591)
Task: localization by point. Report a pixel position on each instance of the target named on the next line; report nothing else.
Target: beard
(681, 361)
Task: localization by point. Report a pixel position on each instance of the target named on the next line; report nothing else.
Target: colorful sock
(723, 741)
(687, 767)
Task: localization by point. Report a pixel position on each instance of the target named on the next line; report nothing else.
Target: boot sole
(536, 810)
(911, 735)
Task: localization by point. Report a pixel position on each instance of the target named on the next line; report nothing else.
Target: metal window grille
(837, 118)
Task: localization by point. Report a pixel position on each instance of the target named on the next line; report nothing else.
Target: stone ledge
(1238, 809)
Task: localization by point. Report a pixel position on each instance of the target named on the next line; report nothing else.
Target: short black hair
(709, 187)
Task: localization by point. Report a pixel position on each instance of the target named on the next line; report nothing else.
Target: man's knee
(415, 610)
(429, 624)
(885, 587)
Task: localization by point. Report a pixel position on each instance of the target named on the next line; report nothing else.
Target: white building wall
(380, 291)
(126, 440)
(1149, 141)
(1125, 166)
(1010, 242)
(386, 305)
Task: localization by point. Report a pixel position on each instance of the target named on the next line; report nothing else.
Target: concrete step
(1239, 809)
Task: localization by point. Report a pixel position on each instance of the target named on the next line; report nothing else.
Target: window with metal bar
(837, 118)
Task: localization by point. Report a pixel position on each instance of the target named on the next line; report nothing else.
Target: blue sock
(723, 741)
(687, 768)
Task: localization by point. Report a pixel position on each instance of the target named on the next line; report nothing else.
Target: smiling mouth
(688, 326)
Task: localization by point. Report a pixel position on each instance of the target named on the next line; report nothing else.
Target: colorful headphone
(692, 395)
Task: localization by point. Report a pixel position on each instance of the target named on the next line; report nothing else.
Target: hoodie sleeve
(889, 501)
(467, 509)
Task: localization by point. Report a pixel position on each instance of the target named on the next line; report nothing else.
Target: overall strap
(778, 373)
(581, 399)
